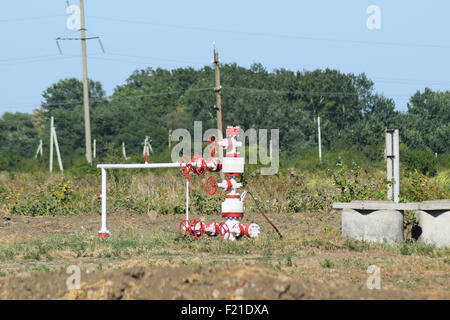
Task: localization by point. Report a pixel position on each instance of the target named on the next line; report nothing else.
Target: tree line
(152, 101)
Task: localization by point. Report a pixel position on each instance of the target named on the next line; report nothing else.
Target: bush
(424, 161)
(417, 187)
(355, 183)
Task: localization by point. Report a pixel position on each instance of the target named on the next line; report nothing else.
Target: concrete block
(384, 226)
(434, 227)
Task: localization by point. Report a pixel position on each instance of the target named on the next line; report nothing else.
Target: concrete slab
(376, 205)
(435, 205)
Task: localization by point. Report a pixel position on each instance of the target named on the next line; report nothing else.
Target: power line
(274, 35)
(112, 97)
(32, 18)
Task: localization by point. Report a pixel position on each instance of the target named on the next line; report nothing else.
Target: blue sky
(409, 52)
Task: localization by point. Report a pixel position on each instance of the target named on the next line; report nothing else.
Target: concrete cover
(385, 226)
(435, 227)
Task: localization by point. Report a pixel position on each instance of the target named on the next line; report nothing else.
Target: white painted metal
(187, 199)
(233, 165)
(141, 165)
(232, 206)
(253, 230)
(103, 229)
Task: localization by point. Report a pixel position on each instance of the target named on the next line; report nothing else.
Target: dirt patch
(190, 282)
(146, 259)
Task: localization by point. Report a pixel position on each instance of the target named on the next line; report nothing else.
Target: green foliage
(354, 186)
(152, 101)
(421, 160)
(417, 187)
(205, 204)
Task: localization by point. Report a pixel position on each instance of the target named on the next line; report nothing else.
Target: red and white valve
(233, 206)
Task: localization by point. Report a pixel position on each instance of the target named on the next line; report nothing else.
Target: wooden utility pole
(170, 137)
(218, 89)
(319, 139)
(87, 121)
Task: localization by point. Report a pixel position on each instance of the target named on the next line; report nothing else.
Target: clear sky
(409, 52)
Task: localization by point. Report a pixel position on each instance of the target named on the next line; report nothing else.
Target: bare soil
(310, 262)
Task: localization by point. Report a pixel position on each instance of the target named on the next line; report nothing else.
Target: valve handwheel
(211, 185)
(211, 144)
(199, 170)
(224, 230)
(186, 225)
(196, 230)
(187, 166)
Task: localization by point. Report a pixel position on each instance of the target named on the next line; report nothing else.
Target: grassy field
(51, 222)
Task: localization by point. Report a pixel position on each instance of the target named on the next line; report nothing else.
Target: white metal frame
(104, 167)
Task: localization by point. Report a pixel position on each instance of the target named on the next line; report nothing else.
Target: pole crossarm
(88, 38)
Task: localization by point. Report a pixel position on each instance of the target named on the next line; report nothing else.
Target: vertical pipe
(51, 144)
(103, 229)
(187, 197)
(95, 148)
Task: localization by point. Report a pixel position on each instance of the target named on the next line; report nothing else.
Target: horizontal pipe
(141, 165)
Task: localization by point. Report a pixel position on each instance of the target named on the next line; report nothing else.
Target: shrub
(417, 187)
(424, 161)
(355, 183)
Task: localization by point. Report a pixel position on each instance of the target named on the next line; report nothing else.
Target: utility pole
(170, 137)
(392, 154)
(218, 89)
(320, 142)
(54, 139)
(87, 120)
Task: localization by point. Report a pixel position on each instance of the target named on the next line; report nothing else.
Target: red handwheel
(187, 167)
(186, 225)
(211, 185)
(224, 231)
(199, 170)
(211, 144)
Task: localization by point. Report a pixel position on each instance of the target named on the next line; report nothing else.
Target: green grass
(327, 264)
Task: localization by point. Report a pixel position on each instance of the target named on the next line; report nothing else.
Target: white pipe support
(104, 232)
